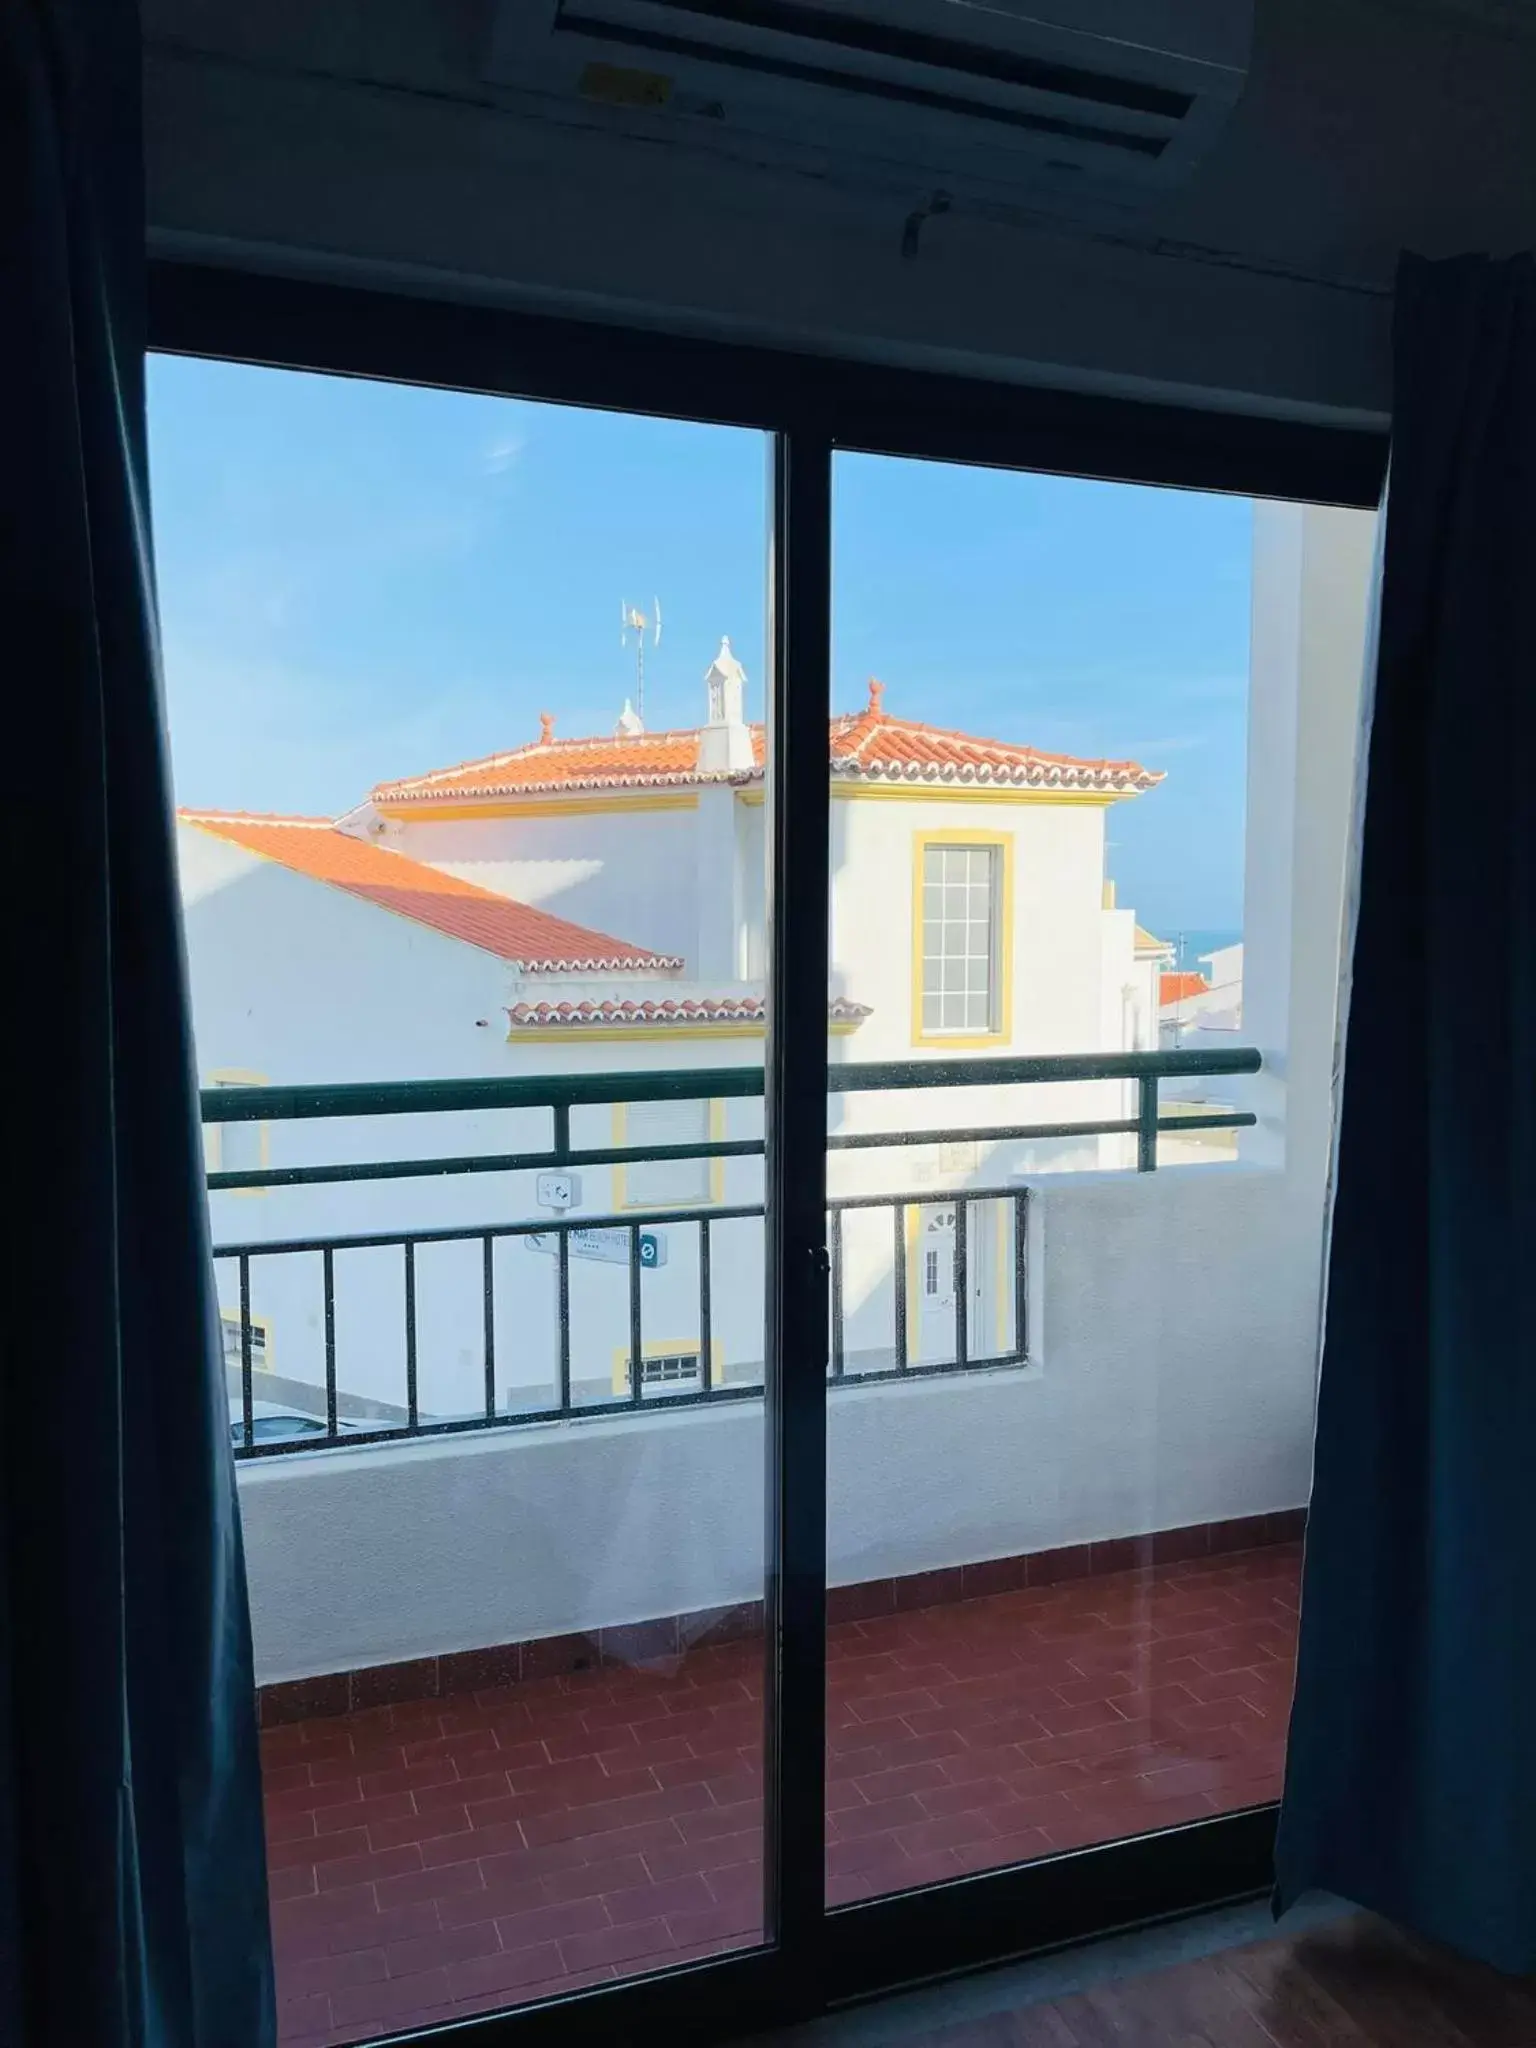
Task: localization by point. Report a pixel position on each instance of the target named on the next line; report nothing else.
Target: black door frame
(811, 407)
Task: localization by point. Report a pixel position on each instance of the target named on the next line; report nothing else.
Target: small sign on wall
(609, 1246)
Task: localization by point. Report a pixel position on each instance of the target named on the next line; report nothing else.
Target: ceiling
(360, 139)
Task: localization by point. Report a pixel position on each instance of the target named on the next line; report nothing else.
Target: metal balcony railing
(559, 1095)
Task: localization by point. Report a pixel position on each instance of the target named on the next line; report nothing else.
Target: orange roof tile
(1178, 988)
(867, 746)
(515, 932)
(695, 1010)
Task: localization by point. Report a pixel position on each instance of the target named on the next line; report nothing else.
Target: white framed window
(961, 992)
(666, 1183)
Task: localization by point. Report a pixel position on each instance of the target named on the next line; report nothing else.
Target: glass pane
(455, 815)
(1064, 1522)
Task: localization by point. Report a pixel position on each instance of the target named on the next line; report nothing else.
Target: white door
(934, 1277)
(936, 1285)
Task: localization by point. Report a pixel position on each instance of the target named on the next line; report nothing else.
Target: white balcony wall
(1175, 1338)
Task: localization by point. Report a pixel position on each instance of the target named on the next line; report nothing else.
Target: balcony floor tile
(440, 1857)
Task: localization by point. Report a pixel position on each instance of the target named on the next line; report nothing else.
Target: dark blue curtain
(1411, 1785)
(132, 1884)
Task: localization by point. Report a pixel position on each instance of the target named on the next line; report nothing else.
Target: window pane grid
(959, 943)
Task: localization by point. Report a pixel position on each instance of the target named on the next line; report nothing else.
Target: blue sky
(361, 580)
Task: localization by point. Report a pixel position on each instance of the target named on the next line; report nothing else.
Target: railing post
(706, 1313)
(328, 1283)
(1021, 1278)
(247, 1405)
(412, 1406)
(488, 1285)
(636, 1332)
(563, 1310)
(899, 1282)
(1146, 1124)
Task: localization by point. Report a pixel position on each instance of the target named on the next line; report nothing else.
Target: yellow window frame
(238, 1077)
(1001, 843)
(230, 1320)
(667, 1350)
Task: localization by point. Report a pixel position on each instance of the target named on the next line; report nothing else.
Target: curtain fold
(1411, 1773)
(133, 1902)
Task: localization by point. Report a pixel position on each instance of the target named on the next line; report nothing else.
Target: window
(667, 1183)
(672, 1365)
(962, 936)
(238, 1147)
(261, 1346)
(675, 1373)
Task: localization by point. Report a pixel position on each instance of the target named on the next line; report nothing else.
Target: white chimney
(725, 744)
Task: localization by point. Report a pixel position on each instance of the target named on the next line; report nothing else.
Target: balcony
(506, 1585)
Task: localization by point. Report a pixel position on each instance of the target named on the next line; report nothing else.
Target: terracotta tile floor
(450, 1856)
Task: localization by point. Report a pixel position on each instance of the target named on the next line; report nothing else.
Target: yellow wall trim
(1002, 844)
(843, 788)
(547, 806)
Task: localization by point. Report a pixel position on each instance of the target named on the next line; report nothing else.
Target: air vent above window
(1102, 101)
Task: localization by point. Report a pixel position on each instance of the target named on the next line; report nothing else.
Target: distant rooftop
(526, 938)
(865, 746)
(1180, 987)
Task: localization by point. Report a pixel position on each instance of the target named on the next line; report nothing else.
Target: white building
(1214, 1005)
(595, 906)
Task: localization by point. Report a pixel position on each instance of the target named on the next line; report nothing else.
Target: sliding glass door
(1067, 1470)
(767, 1142)
(467, 710)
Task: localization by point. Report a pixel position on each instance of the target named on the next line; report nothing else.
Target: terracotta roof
(865, 746)
(515, 932)
(1178, 988)
(702, 1010)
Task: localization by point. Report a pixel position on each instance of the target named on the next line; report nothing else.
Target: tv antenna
(633, 620)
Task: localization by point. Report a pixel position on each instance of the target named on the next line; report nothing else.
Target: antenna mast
(633, 620)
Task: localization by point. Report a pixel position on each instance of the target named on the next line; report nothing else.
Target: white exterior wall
(1058, 880)
(301, 982)
(294, 981)
(633, 874)
(1059, 963)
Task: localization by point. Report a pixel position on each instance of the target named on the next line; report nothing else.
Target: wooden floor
(1352, 1984)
